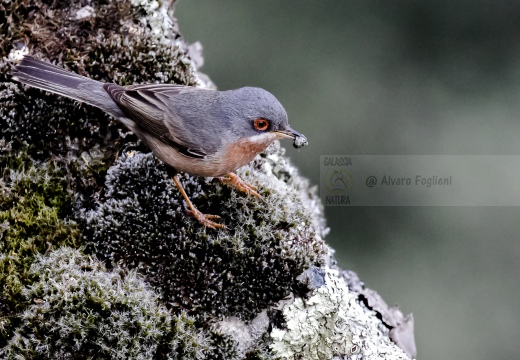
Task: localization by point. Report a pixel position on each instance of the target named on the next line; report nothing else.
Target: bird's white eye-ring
(261, 124)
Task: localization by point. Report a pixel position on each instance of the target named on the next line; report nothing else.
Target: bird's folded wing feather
(146, 106)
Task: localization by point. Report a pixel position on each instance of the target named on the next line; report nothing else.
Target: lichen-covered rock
(332, 322)
(142, 223)
(80, 311)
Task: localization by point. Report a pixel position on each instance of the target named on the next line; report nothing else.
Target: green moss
(79, 310)
(35, 204)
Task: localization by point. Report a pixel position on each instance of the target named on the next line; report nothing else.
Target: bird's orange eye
(261, 124)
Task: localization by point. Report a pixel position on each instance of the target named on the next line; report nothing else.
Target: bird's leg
(204, 219)
(233, 179)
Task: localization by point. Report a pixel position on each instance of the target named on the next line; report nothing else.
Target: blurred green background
(395, 77)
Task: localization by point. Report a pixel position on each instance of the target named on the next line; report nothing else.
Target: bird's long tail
(51, 78)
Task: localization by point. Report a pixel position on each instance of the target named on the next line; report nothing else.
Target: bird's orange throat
(244, 150)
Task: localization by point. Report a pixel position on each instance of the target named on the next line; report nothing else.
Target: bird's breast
(244, 150)
(227, 159)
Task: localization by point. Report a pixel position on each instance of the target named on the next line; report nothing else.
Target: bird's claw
(241, 185)
(204, 219)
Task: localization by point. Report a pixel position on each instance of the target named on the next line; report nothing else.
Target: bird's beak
(288, 133)
(299, 139)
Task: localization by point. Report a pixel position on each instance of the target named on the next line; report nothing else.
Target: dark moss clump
(142, 224)
(224, 349)
(35, 210)
(81, 311)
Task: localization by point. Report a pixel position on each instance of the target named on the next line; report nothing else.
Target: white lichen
(156, 18)
(332, 323)
(85, 12)
(163, 28)
(245, 334)
(17, 54)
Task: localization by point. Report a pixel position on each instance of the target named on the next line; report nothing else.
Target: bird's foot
(204, 219)
(241, 185)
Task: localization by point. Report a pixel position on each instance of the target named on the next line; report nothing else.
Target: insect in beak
(299, 139)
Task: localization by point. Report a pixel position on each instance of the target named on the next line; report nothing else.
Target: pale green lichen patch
(332, 322)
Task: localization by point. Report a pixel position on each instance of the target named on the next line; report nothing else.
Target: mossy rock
(142, 223)
(73, 176)
(79, 310)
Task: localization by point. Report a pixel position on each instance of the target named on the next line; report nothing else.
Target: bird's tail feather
(54, 79)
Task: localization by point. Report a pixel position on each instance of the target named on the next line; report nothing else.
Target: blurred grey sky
(394, 78)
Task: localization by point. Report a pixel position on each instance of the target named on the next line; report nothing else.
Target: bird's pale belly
(218, 164)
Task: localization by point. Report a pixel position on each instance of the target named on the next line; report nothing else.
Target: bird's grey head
(253, 111)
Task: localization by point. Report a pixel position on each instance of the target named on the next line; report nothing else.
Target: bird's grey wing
(142, 104)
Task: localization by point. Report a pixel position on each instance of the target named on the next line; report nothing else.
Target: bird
(201, 132)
